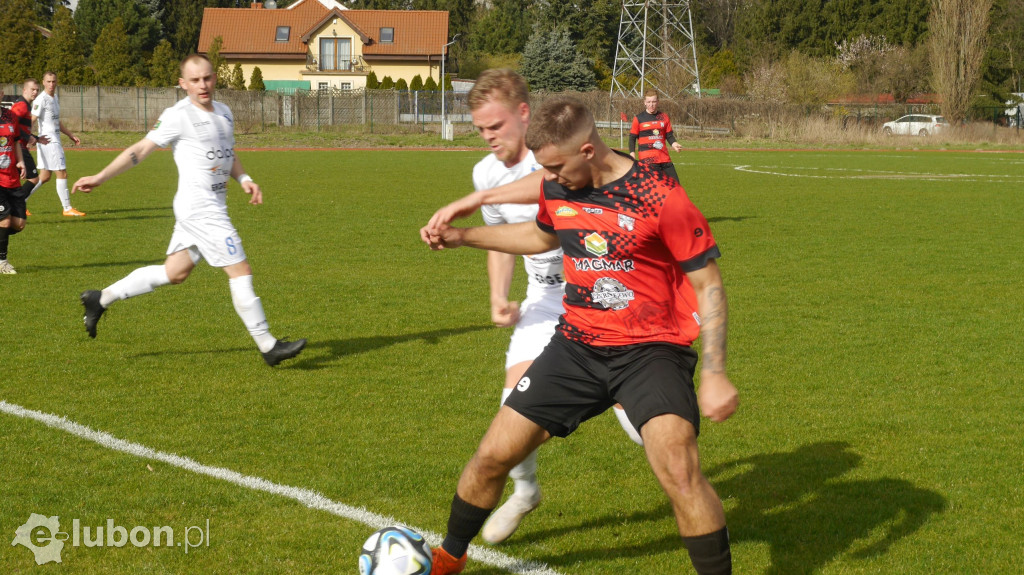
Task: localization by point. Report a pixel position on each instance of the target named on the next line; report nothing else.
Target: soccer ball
(395, 551)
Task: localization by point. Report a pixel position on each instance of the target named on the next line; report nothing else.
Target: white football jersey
(544, 270)
(46, 109)
(204, 151)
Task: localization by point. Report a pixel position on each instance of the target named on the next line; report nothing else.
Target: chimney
(257, 5)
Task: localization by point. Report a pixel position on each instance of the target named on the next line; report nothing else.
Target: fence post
(81, 107)
(97, 105)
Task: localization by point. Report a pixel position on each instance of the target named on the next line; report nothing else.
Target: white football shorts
(212, 239)
(50, 156)
(538, 316)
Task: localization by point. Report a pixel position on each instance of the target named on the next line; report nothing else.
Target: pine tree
(402, 85)
(19, 41)
(220, 65)
(142, 29)
(417, 83)
(387, 83)
(552, 63)
(237, 78)
(371, 81)
(63, 52)
(163, 67)
(430, 85)
(115, 65)
(256, 81)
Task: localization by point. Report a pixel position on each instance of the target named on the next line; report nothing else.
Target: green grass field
(875, 304)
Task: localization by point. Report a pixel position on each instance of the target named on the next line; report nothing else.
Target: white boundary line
(876, 174)
(310, 499)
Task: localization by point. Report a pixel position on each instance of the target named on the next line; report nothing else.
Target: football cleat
(93, 310)
(6, 268)
(27, 213)
(444, 564)
(73, 213)
(283, 350)
(504, 522)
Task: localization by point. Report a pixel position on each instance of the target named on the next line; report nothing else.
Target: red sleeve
(668, 125)
(543, 217)
(635, 128)
(686, 233)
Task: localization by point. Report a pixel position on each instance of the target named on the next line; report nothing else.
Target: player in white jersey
(499, 104)
(46, 110)
(201, 132)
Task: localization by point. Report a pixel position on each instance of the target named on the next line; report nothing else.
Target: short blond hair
(193, 58)
(559, 121)
(499, 85)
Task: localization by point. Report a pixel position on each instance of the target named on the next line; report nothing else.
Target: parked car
(915, 125)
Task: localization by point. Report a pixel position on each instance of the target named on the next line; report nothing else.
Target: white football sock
(140, 281)
(250, 309)
(627, 426)
(524, 475)
(62, 192)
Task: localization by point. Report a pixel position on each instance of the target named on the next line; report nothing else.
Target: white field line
(310, 499)
(875, 174)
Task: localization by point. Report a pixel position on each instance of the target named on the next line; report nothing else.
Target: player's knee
(488, 465)
(17, 224)
(178, 276)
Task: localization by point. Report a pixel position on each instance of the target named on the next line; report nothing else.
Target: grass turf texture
(874, 304)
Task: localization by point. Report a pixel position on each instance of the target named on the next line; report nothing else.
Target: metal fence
(97, 108)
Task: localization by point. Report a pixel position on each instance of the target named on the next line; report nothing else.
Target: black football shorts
(571, 382)
(10, 203)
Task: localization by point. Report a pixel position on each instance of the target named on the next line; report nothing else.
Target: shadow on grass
(797, 502)
(730, 219)
(342, 347)
(97, 265)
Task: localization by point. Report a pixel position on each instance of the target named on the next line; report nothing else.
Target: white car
(915, 125)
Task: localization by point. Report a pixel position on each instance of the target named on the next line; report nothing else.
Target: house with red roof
(320, 44)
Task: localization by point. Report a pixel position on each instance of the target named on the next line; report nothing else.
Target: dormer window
(283, 33)
(387, 35)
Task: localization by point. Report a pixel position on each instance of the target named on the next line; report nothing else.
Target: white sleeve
(167, 129)
(492, 215)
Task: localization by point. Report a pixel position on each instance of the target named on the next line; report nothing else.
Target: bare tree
(958, 30)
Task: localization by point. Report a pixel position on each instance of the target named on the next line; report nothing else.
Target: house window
(283, 33)
(346, 85)
(323, 86)
(387, 35)
(336, 54)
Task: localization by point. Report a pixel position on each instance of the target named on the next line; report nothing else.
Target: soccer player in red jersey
(642, 282)
(12, 169)
(653, 131)
(22, 110)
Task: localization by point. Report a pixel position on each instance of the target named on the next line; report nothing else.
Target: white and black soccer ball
(395, 551)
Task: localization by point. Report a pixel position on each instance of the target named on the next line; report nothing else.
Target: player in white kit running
(499, 103)
(201, 132)
(50, 156)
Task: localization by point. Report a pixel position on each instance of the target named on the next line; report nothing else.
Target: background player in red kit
(12, 169)
(642, 283)
(653, 131)
(22, 110)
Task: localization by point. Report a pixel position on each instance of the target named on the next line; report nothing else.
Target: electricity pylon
(655, 50)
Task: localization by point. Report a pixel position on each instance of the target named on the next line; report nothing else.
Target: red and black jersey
(628, 246)
(10, 175)
(653, 133)
(23, 113)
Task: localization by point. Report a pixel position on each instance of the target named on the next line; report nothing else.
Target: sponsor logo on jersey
(566, 212)
(156, 125)
(655, 132)
(611, 293)
(595, 244)
(626, 222)
(219, 153)
(5, 162)
(197, 124)
(657, 145)
(545, 260)
(603, 265)
(3, 141)
(593, 210)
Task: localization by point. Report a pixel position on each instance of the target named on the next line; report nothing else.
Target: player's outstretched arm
(127, 159)
(525, 190)
(500, 269)
(248, 186)
(716, 396)
(520, 239)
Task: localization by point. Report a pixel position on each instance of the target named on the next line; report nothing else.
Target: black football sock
(26, 189)
(710, 553)
(464, 523)
(5, 235)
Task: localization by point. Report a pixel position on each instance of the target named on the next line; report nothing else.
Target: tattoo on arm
(135, 159)
(713, 331)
